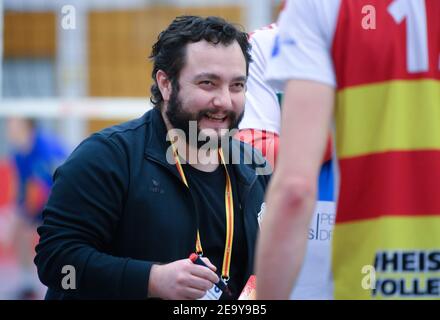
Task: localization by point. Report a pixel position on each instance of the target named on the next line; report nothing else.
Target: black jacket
(117, 206)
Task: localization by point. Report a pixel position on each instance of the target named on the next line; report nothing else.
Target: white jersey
(304, 52)
(262, 110)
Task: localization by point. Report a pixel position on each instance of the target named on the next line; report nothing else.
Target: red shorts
(265, 141)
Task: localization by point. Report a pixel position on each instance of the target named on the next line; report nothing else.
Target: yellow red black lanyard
(229, 205)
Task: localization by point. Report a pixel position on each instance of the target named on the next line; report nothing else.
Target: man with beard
(134, 201)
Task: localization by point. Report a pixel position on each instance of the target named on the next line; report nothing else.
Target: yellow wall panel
(120, 43)
(95, 125)
(29, 34)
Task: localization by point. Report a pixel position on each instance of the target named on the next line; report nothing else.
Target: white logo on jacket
(261, 213)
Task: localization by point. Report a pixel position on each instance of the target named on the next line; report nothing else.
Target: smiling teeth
(216, 117)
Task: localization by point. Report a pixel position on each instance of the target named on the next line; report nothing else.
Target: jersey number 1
(417, 51)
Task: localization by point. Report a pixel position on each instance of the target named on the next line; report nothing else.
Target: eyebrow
(213, 76)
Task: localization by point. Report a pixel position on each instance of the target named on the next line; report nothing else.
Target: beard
(180, 119)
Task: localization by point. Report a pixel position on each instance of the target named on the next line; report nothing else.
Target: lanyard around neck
(229, 205)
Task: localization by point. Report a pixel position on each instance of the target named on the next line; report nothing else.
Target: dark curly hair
(168, 52)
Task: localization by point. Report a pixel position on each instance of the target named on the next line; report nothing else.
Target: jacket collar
(157, 146)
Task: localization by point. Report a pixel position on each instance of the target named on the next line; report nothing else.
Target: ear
(164, 84)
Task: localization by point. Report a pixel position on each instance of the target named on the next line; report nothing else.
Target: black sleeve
(80, 219)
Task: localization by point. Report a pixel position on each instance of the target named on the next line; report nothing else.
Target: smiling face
(211, 89)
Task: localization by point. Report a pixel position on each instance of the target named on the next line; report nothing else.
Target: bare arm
(306, 117)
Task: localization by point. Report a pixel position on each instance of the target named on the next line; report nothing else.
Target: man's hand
(181, 280)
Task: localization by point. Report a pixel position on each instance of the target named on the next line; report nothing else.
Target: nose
(223, 99)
